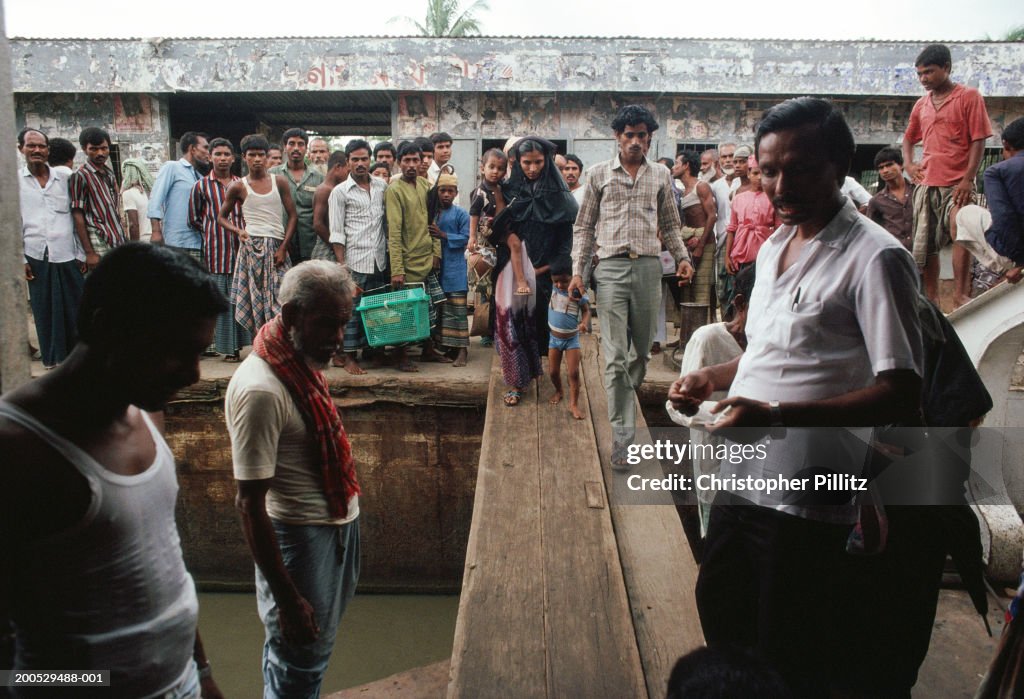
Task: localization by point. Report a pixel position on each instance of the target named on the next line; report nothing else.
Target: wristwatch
(775, 413)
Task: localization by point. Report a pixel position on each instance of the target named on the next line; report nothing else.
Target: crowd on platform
(819, 285)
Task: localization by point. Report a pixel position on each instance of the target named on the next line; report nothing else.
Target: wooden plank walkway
(564, 595)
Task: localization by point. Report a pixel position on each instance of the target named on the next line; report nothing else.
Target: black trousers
(768, 582)
(890, 602)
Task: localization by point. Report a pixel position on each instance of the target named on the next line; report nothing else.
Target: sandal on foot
(620, 457)
(512, 398)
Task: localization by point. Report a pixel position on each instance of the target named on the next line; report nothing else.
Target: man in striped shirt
(220, 246)
(95, 201)
(627, 201)
(356, 210)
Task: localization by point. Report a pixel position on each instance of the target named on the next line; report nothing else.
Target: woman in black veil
(541, 213)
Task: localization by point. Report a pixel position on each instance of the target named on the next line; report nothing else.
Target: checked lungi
(255, 286)
(455, 321)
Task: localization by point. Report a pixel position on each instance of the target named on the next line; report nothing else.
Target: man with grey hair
(709, 171)
(319, 152)
(726, 154)
(297, 490)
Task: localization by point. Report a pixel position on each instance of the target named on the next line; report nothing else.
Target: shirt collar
(375, 183)
(54, 175)
(835, 232)
(617, 164)
(89, 167)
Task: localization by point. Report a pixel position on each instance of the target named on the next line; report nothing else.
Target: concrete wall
(417, 465)
(138, 123)
(501, 65)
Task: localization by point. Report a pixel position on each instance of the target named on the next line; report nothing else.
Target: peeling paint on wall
(138, 124)
(502, 65)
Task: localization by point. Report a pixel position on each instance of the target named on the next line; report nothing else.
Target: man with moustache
(95, 200)
(708, 161)
(628, 201)
(303, 180)
(831, 341)
(319, 152)
(384, 152)
(572, 172)
(358, 239)
(726, 155)
(172, 191)
(54, 261)
(297, 489)
(414, 255)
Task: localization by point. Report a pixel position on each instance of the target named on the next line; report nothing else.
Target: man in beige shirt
(626, 202)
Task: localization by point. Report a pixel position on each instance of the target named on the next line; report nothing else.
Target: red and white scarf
(308, 388)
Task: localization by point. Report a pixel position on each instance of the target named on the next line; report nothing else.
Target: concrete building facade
(480, 90)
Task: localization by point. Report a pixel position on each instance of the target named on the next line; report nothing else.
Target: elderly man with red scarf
(297, 489)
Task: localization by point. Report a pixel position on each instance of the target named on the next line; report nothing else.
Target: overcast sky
(917, 20)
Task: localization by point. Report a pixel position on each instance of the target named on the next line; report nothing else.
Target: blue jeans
(323, 562)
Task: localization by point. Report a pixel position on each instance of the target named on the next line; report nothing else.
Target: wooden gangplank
(545, 610)
(657, 562)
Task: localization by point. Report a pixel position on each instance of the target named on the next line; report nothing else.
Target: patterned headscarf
(133, 172)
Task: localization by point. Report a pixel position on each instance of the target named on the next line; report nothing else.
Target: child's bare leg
(572, 362)
(555, 371)
(515, 248)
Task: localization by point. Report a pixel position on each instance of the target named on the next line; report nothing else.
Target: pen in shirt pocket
(796, 299)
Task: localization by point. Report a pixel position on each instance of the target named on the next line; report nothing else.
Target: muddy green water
(379, 636)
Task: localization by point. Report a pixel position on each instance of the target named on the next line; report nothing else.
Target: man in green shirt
(415, 255)
(303, 180)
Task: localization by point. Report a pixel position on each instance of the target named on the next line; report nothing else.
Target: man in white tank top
(93, 576)
(270, 217)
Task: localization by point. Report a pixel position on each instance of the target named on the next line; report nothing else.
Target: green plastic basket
(396, 317)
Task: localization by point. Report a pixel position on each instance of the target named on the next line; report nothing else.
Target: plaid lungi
(355, 333)
(455, 321)
(434, 293)
(256, 282)
(931, 221)
(229, 337)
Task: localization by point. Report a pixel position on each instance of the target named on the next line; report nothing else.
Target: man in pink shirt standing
(952, 124)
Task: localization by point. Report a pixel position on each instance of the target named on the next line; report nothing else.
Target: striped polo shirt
(95, 193)
(219, 244)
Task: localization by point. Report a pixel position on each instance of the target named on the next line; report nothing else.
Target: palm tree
(1015, 34)
(444, 19)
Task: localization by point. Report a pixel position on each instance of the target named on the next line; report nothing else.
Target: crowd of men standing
(279, 259)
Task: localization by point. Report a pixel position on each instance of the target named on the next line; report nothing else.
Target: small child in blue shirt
(567, 318)
(451, 225)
